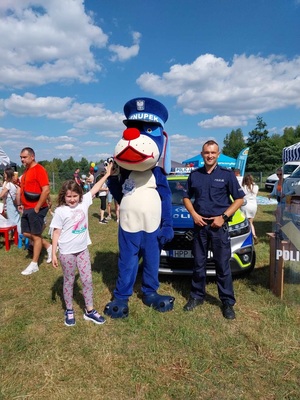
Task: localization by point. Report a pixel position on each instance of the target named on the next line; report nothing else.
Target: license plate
(182, 253)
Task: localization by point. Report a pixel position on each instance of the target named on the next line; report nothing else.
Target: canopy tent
(223, 161)
(291, 153)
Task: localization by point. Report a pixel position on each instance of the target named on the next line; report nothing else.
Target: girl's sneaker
(94, 316)
(70, 318)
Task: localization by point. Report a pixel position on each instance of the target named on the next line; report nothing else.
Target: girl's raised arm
(97, 186)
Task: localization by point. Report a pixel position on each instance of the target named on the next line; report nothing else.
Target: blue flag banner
(242, 160)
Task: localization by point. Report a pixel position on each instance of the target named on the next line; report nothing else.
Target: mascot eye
(149, 130)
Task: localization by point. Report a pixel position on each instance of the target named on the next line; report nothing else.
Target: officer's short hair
(209, 143)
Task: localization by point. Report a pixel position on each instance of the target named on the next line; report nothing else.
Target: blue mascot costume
(144, 196)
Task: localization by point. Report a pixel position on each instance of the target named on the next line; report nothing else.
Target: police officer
(212, 186)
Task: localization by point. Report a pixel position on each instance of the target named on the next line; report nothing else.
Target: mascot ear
(166, 155)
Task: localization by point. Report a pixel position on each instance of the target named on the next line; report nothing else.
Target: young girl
(71, 235)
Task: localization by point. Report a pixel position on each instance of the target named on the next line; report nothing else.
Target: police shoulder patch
(226, 169)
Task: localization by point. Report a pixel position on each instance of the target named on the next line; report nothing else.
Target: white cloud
(223, 121)
(123, 53)
(84, 116)
(47, 43)
(11, 133)
(91, 144)
(183, 147)
(31, 105)
(235, 90)
(51, 139)
(66, 147)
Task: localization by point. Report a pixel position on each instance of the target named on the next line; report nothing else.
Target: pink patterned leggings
(69, 263)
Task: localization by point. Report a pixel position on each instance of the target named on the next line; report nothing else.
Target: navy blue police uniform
(211, 194)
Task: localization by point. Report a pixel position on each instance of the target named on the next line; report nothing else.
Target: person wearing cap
(212, 188)
(144, 196)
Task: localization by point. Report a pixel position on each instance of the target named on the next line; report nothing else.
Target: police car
(176, 256)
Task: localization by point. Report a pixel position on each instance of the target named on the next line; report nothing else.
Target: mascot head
(144, 140)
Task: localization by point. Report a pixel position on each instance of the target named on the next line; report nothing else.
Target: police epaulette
(226, 169)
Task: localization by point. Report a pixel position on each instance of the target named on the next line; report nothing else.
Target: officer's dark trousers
(220, 246)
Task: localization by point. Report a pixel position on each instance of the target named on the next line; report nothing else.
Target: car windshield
(289, 168)
(296, 174)
(177, 188)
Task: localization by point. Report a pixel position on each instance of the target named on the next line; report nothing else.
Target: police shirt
(212, 191)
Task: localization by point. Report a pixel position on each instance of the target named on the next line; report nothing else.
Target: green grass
(150, 355)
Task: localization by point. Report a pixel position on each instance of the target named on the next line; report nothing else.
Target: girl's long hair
(73, 187)
(249, 182)
(9, 174)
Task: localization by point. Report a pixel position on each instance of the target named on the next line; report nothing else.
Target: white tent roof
(291, 153)
(4, 159)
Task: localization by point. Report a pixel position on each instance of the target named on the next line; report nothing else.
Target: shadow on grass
(106, 263)
(258, 277)
(182, 285)
(57, 292)
(96, 215)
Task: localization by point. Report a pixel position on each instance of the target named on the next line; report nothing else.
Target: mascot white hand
(142, 190)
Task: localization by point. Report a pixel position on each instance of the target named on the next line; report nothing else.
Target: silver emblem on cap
(140, 105)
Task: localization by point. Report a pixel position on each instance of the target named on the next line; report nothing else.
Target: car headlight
(239, 229)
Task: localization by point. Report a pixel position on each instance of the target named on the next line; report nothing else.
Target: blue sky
(68, 67)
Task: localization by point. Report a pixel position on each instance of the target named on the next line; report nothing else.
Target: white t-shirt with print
(73, 223)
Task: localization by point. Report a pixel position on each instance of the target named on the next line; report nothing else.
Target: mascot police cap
(146, 110)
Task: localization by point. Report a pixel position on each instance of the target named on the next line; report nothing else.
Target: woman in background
(250, 208)
(11, 195)
(277, 193)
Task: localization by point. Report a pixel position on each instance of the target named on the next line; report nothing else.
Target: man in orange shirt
(35, 190)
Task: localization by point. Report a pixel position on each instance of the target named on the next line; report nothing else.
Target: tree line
(265, 151)
(60, 171)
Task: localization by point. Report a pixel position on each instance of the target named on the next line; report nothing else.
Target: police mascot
(144, 196)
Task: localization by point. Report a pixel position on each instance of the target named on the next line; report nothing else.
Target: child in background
(71, 235)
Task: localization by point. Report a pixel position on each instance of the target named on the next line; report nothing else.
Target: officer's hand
(198, 219)
(218, 222)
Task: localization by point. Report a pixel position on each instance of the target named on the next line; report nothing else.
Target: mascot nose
(131, 134)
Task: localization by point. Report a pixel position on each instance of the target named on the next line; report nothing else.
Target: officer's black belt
(208, 221)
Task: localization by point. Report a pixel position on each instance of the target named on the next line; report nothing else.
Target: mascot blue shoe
(117, 309)
(158, 302)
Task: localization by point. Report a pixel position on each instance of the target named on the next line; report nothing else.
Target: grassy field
(150, 356)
